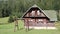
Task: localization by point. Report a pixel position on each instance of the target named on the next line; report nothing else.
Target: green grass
(9, 28)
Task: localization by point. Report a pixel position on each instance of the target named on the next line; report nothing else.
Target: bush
(11, 19)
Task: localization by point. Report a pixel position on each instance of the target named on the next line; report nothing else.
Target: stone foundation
(35, 27)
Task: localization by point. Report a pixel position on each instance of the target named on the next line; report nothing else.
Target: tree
(57, 7)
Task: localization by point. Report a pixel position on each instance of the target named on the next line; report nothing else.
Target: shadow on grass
(21, 28)
(3, 23)
(28, 30)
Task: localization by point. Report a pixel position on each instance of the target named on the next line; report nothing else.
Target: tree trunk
(58, 15)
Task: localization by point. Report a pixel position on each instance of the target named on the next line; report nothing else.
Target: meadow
(8, 28)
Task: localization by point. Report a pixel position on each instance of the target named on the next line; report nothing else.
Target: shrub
(11, 19)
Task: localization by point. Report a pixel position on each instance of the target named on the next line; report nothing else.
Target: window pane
(33, 13)
(38, 12)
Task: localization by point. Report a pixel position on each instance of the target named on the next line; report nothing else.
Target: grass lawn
(8, 28)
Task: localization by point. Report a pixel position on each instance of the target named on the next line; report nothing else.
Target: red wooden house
(37, 18)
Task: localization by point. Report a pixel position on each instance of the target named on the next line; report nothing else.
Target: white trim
(34, 27)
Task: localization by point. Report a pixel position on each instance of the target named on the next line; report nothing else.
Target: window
(33, 13)
(38, 12)
(30, 20)
(40, 20)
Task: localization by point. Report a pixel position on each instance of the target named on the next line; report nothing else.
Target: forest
(18, 7)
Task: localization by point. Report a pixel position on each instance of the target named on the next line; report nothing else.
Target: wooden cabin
(37, 18)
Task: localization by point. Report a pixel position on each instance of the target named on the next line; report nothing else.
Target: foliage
(18, 7)
(11, 19)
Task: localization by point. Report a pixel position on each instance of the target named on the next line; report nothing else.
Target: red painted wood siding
(34, 22)
(35, 13)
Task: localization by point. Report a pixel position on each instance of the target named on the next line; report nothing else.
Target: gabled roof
(51, 14)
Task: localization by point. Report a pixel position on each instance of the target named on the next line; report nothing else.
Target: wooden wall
(34, 22)
(35, 13)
